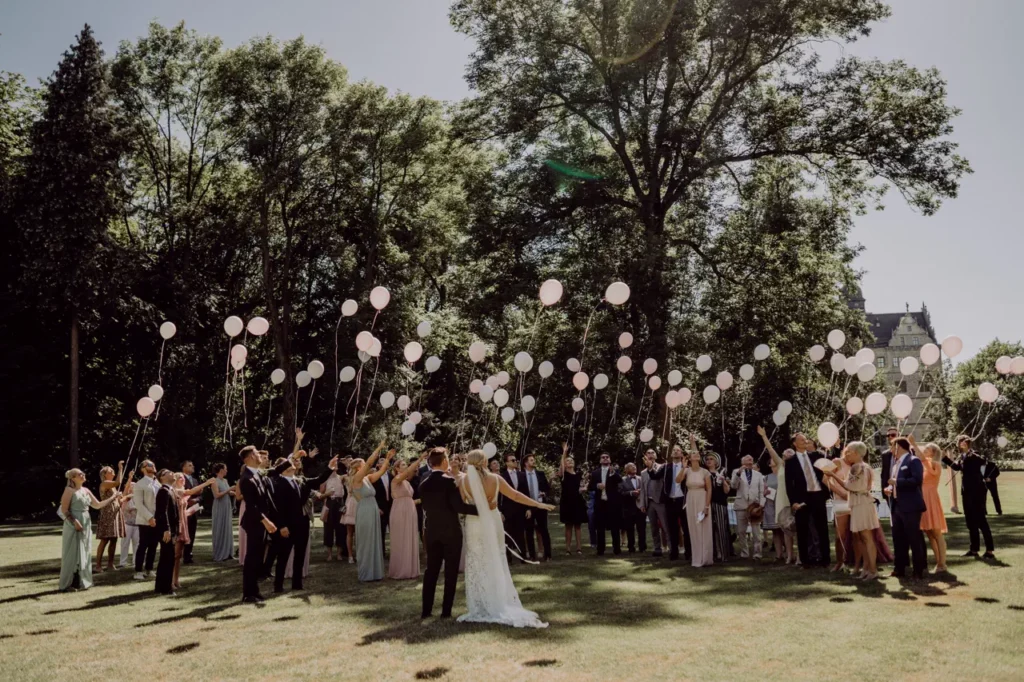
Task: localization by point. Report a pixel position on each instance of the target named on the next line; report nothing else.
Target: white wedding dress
(490, 595)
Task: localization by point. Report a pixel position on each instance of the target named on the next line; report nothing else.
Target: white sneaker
(351, 560)
(140, 576)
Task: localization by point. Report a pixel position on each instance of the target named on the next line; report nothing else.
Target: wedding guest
(370, 559)
(863, 519)
(652, 499)
(572, 510)
(591, 524)
(840, 512)
(348, 515)
(769, 522)
(256, 522)
(891, 434)
(808, 499)
(186, 510)
(720, 532)
(168, 525)
(674, 497)
(537, 489)
(633, 518)
(933, 520)
(131, 529)
(188, 470)
(333, 494)
(513, 512)
(241, 512)
(780, 511)
(494, 465)
(382, 490)
(604, 483)
(405, 537)
(76, 532)
(698, 508)
(907, 507)
(111, 523)
(457, 469)
(974, 493)
(308, 519)
(990, 472)
(222, 525)
(145, 510)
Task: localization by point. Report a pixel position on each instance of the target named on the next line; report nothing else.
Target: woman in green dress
(76, 536)
(369, 545)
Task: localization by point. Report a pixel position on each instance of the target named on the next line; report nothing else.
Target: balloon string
(991, 409)
(142, 440)
(132, 449)
(536, 408)
(337, 384)
(160, 375)
(366, 409)
(374, 323)
(355, 396)
(245, 409)
(227, 380)
(308, 405)
(964, 430)
(590, 425)
(536, 321)
(615, 406)
(266, 431)
(298, 393)
(636, 423)
(586, 332)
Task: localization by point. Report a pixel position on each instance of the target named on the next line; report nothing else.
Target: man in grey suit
(145, 511)
(651, 499)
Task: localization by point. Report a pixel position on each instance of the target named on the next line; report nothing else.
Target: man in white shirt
(674, 497)
(807, 498)
(513, 512)
(651, 500)
(536, 519)
(334, 502)
(604, 482)
(749, 486)
(145, 511)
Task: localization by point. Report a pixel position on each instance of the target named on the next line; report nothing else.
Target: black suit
(607, 512)
(907, 507)
(167, 520)
(812, 518)
(255, 491)
(975, 494)
(514, 513)
(634, 520)
(442, 537)
(382, 491)
(991, 474)
(193, 523)
(675, 513)
(538, 520)
(886, 467)
(270, 555)
(290, 497)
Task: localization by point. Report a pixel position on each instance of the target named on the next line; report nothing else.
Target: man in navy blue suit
(907, 507)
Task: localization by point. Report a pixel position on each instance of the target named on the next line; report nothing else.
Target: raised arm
(516, 496)
(561, 466)
(357, 477)
(768, 445)
(96, 504)
(410, 470)
(375, 476)
(199, 488)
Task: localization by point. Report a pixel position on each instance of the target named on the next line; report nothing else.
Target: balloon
(646, 435)
(375, 348)
(403, 402)
(828, 434)
(617, 293)
(724, 380)
(168, 330)
(703, 363)
(625, 340)
(413, 352)
(712, 394)
(600, 382)
(415, 417)
(684, 395)
(747, 372)
(654, 382)
(501, 397)
(875, 403)
(786, 407)
(577, 404)
(475, 385)
(854, 406)
(528, 403)
(523, 361)
(908, 365)
(865, 355)
(837, 362)
(424, 328)
(364, 340)
(929, 354)
(901, 405)
(238, 362)
(316, 369)
(349, 308)
(988, 392)
(545, 369)
(623, 364)
(850, 365)
(1017, 365)
(816, 352)
(1003, 364)
(408, 428)
(836, 339)
(580, 380)
(867, 371)
(233, 326)
(486, 393)
(277, 377)
(156, 391)
(952, 345)
(672, 400)
(258, 326)
(508, 414)
(503, 377)
(303, 378)
(1002, 442)
(433, 364)
(379, 298)
(363, 356)
(493, 382)
(490, 449)
(573, 364)
(550, 292)
(145, 407)
(387, 399)
(477, 351)
(347, 374)
(779, 418)
(239, 351)
(650, 366)
(762, 352)
(675, 377)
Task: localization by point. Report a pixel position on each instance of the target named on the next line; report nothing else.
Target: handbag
(755, 512)
(786, 520)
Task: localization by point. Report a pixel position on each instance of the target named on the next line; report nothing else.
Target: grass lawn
(611, 618)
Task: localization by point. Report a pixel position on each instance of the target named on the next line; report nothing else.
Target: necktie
(808, 474)
(749, 474)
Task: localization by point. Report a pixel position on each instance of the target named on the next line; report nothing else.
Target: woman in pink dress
(184, 511)
(404, 563)
(698, 508)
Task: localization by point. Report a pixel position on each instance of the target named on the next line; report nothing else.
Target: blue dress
(223, 530)
(369, 552)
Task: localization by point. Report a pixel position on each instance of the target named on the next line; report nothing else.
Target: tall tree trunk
(73, 412)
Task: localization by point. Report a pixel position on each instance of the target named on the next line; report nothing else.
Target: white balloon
(408, 428)
(712, 394)
(828, 434)
(650, 366)
(577, 404)
(501, 397)
(837, 362)
(545, 369)
(375, 348)
(424, 328)
(233, 326)
(168, 330)
(523, 361)
(486, 393)
(475, 386)
(675, 377)
(724, 381)
(816, 352)
(277, 377)
(988, 392)
(573, 365)
(908, 365)
(238, 362)
(1017, 365)
(703, 363)
(403, 402)
(493, 382)
(433, 364)
(303, 378)
(258, 326)
(550, 292)
(684, 395)
(239, 351)
(786, 407)
(413, 352)
(363, 356)
(625, 340)
(508, 414)
(850, 365)
(347, 374)
(672, 399)
(380, 297)
(623, 364)
(867, 371)
(865, 355)
(854, 406)
(316, 369)
(929, 354)
(490, 449)
(349, 308)
(145, 407)
(952, 345)
(156, 391)
(762, 352)
(1003, 364)
(646, 435)
(528, 403)
(364, 340)
(387, 399)
(875, 403)
(779, 418)
(580, 380)
(901, 405)
(654, 382)
(503, 377)
(600, 382)
(477, 351)
(836, 339)
(415, 417)
(617, 293)
(747, 372)
(1002, 442)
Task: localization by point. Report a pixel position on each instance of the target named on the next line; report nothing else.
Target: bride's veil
(491, 536)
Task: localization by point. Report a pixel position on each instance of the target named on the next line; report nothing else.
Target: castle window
(909, 328)
(914, 340)
(895, 362)
(881, 363)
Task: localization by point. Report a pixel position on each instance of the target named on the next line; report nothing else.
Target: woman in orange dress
(933, 520)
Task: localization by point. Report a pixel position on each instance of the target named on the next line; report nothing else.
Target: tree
(987, 421)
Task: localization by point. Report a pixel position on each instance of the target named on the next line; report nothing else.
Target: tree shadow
(26, 597)
(105, 602)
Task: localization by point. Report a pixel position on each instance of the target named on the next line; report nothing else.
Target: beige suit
(747, 494)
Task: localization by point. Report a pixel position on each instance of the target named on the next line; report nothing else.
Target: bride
(490, 594)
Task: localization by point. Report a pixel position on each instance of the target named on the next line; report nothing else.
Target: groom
(442, 534)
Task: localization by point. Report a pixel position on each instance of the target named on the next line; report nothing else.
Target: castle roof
(883, 325)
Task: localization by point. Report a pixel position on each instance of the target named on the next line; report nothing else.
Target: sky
(964, 262)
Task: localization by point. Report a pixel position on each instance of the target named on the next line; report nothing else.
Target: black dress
(720, 520)
(573, 509)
